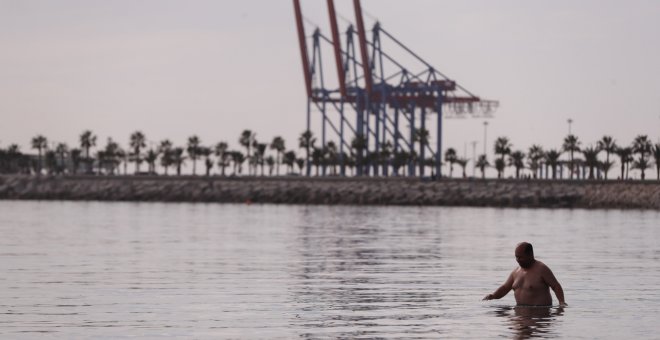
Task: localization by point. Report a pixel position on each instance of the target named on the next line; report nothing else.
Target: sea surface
(73, 270)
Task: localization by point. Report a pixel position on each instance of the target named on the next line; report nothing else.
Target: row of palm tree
(108, 159)
(326, 159)
(539, 159)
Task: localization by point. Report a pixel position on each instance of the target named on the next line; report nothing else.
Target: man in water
(531, 282)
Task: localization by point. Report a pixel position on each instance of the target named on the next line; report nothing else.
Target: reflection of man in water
(531, 322)
(530, 282)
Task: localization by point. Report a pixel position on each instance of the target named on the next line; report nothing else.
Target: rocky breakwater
(364, 191)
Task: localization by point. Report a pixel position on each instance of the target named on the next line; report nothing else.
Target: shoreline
(474, 192)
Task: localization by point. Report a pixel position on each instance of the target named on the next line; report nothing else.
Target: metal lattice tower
(377, 93)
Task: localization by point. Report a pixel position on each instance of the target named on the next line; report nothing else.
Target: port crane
(376, 93)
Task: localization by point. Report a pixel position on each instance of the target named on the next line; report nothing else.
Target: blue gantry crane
(375, 94)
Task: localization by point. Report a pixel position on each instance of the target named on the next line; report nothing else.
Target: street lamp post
(570, 121)
(474, 158)
(485, 135)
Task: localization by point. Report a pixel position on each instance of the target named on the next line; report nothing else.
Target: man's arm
(502, 291)
(551, 280)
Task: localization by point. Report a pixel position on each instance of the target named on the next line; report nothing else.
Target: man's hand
(487, 297)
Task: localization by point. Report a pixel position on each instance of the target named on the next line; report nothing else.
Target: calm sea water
(155, 270)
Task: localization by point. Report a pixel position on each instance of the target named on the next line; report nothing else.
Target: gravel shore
(363, 191)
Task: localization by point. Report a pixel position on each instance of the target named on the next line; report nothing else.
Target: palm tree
(300, 162)
(40, 143)
(552, 158)
(193, 150)
(385, 155)
(61, 150)
(606, 166)
(76, 159)
(400, 158)
(625, 156)
(260, 151)
(358, 145)
(51, 161)
(331, 158)
(166, 158)
(535, 155)
(270, 162)
(165, 149)
(502, 148)
(317, 158)
(246, 140)
(422, 137)
(591, 159)
(641, 165)
(607, 144)
(112, 155)
(238, 158)
(137, 142)
(87, 140)
(178, 159)
(306, 141)
(278, 145)
(223, 156)
(571, 145)
(517, 160)
(151, 157)
(499, 166)
(642, 146)
(289, 160)
(101, 161)
(451, 157)
(656, 156)
(208, 163)
(12, 159)
(482, 163)
(349, 162)
(462, 162)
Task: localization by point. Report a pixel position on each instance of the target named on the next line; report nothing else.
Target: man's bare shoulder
(542, 267)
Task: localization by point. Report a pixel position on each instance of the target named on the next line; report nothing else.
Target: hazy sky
(214, 68)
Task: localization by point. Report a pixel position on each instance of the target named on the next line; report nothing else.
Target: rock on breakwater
(365, 191)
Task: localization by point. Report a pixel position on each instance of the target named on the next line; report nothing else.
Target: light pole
(570, 121)
(485, 135)
(474, 158)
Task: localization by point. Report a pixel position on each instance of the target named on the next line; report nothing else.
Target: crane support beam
(303, 48)
(337, 47)
(362, 37)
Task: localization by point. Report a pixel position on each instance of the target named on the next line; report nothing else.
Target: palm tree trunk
(607, 160)
(40, 165)
(309, 168)
(277, 161)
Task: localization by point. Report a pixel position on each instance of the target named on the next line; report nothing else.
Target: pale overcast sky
(214, 68)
